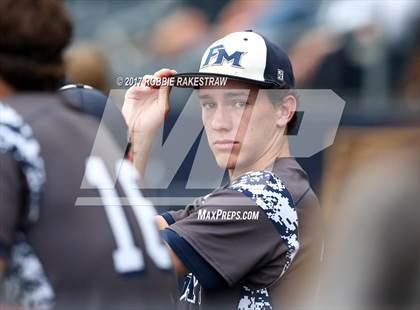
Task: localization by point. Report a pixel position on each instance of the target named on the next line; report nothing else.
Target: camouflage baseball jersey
(58, 255)
(254, 243)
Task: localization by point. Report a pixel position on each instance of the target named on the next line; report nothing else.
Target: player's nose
(221, 120)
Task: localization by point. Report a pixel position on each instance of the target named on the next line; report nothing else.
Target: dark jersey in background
(67, 256)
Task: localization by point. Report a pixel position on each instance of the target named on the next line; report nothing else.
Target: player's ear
(285, 110)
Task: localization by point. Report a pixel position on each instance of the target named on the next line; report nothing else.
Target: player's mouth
(225, 145)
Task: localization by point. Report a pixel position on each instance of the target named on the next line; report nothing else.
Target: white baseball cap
(247, 56)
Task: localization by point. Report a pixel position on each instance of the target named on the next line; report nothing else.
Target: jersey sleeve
(174, 216)
(10, 200)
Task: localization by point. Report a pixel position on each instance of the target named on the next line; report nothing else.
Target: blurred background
(367, 52)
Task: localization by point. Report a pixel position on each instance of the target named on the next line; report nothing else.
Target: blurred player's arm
(144, 111)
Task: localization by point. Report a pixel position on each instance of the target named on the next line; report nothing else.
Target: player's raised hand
(145, 106)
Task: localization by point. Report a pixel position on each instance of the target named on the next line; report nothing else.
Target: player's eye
(208, 105)
(240, 104)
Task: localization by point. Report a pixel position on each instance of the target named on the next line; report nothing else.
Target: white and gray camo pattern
(17, 138)
(271, 195)
(254, 299)
(25, 283)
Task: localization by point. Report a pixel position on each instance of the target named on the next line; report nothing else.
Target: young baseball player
(233, 260)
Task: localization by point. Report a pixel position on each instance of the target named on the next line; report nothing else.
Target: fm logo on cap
(219, 52)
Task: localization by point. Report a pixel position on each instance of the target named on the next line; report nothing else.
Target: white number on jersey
(127, 257)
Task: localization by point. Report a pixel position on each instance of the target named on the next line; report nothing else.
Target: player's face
(240, 124)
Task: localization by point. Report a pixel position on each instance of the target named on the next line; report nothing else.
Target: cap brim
(177, 83)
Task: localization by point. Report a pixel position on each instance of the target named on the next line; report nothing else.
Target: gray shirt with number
(59, 254)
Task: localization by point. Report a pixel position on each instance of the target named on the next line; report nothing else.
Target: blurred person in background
(53, 253)
(357, 48)
(194, 23)
(185, 26)
(86, 64)
(372, 256)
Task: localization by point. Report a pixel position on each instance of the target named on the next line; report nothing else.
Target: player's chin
(226, 160)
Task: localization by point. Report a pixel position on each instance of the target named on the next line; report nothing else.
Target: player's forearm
(141, 146)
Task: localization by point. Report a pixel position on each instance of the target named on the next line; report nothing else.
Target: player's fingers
(137, 89)
(160, 75)
(145, 81)
(165, 72)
